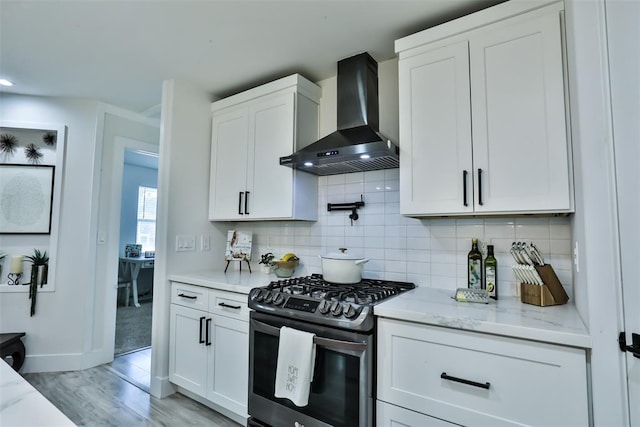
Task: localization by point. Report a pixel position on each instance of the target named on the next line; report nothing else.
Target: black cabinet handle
(464, 187)
(246, 202)
(480, 186)
(634, 348)
(207, 333)
(187, 296)
(235, 307)
(200, 339)
(240, 193)
(463, 381)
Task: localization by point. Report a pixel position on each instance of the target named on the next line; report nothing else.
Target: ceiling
(119, 52)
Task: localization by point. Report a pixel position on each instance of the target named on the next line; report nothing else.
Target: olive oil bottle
(474, 266)
(491, 273)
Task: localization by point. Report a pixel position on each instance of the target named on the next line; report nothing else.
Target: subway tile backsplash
(428, 252)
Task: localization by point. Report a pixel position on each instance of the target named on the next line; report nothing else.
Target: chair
(125, 282)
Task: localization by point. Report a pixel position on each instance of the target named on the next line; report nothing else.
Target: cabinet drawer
(478, 379)
(392, 415)
(229, 304)
(190, 296)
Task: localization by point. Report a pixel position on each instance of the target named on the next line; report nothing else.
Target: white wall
(55, 335)
(183, 200)
(597, 276)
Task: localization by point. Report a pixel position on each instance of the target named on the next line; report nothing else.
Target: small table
(11, 345)
(134, 265)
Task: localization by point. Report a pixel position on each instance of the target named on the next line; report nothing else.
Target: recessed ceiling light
(5, 82)
(364, 156)
(308, 164)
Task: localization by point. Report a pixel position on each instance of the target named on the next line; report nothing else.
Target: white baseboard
(161, 387)
(52, 362)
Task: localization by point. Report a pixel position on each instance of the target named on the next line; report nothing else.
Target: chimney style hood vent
(357, 145)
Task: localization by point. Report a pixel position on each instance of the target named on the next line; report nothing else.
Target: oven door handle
(324, 342)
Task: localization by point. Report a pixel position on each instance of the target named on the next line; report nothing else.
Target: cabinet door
(435, 132)
(229, 151)
(187, 355)
(229, 370)
(520, 146)
(272, 131)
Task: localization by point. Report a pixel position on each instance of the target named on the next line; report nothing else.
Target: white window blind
(146, 230)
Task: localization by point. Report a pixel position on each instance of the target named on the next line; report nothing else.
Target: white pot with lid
(342, 267)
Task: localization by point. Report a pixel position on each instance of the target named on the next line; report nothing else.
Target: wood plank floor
(99, 397)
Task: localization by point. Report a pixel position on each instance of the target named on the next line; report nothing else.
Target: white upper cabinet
(250, 132)
(482, 115)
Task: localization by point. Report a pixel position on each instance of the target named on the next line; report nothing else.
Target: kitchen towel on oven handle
(296, 362)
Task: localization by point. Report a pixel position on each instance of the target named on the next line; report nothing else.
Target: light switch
(205, 243)
(185, 243)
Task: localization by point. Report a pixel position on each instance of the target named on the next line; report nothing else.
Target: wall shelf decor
(30, 196)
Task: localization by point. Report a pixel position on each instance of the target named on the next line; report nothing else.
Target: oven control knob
(336, 308)
(324, 306)
(268, 297)
(258, 295)
(351, 312)
(278, 299)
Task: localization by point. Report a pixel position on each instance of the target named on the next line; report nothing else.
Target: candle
(16, 264)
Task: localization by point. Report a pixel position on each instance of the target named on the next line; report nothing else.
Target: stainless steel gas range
(341, 317)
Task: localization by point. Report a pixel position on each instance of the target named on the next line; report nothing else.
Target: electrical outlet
(576, 257)
(185, 243)
(205, 243)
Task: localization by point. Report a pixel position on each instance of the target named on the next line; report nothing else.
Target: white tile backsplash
(428, 252)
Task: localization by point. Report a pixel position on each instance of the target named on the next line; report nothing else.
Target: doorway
(136, 164)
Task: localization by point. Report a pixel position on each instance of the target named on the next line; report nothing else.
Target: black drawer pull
(464, 188)
(444, 376)
(246, 203)
(200, 339)
(207, 333)
(235, 307)
(480, 187)
(187, 296)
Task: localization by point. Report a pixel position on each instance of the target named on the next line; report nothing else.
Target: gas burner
(311, 298)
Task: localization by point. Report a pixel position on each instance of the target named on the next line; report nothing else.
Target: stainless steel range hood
(357, 145)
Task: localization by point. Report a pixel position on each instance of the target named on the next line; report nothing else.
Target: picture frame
(26, 198)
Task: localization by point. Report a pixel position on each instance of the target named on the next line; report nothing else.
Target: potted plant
(2, 255)
(266, 261)
(39, 274)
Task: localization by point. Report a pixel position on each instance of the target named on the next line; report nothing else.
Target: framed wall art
(26, 198)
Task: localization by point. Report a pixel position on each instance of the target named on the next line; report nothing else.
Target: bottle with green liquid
(491, 273)
(474, 266)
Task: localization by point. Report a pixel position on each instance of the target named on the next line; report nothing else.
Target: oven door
(341, 390)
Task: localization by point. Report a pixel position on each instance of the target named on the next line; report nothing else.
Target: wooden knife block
(551, 293)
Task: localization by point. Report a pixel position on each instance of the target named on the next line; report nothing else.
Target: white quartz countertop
(234, 281)
(23, 405)
(560, 324)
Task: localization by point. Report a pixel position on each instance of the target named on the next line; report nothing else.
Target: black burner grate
(367, 291)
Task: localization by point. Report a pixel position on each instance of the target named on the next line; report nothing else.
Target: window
(146, 230)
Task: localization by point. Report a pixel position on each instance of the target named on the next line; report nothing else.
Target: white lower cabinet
(471, 378)
(209, 346)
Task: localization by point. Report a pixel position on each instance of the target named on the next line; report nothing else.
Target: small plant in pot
(266, 260)
(39, 274)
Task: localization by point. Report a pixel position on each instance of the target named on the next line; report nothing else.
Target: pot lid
(342, 254)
